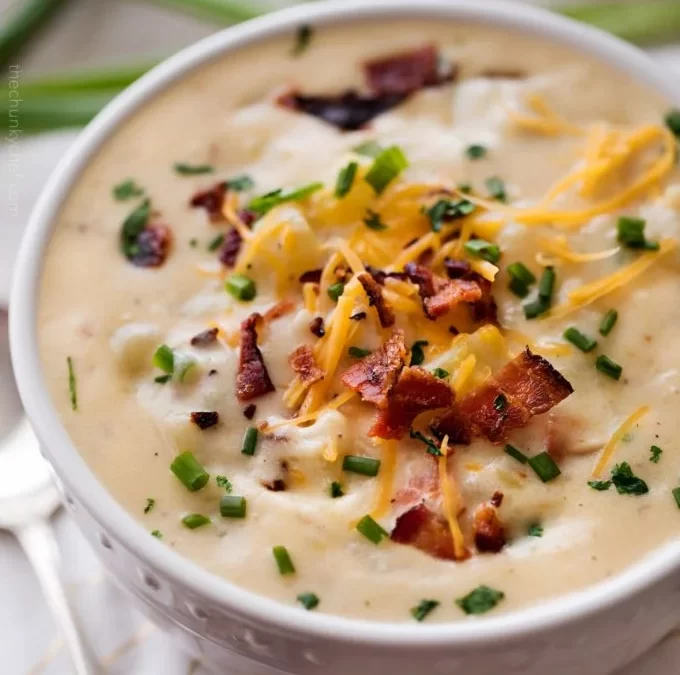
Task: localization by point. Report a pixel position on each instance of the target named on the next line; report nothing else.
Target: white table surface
(98, 32)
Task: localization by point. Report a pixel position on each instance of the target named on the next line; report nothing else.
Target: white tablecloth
(125, 641)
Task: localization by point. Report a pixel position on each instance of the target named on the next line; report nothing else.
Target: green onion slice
(521, 272)
(386, 167)
(358, 352)
(127, 190)
(579, 340)
(192, 169)
(194, 520)
(608, 322)
(72, 384)
(496, 188)
(368, 149)
(631, 233)
(544, 466)
(216, 242)
(483, 249)
(189, 471)
(423, 608)
(480, 600)
(249, 442)
(232, 506)
(241, 287)
(283, 560)
(336, 490)
(475, 151)
(267, 202)
(366, 466)
(164, 358)
(308, 600)
(373, 222)
(417, 353)
(608, 367)
(336, 290)
(239, 183)
(345, 179)
(676, 495)
(373, 531)
(515, 454)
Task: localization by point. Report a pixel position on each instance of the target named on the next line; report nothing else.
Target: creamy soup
(381, 328)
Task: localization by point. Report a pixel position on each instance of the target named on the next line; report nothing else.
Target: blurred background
(70, 57)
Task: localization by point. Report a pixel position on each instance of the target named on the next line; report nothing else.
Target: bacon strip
(488, 529)
(279, 309)
(526, 386)
(252, 379)
(375, 375)
(483, 310)
(304, 365)
(377, 300)
(425, 530)
(416, 391)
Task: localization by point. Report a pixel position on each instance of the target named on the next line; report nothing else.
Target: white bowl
(590, 632)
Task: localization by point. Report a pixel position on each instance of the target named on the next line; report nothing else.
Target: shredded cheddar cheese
(609, 448)
(452, 502)
(388, 467)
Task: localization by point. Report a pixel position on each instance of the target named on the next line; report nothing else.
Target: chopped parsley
(535, 530)
(132, 227)
(475, 151)
(336, 290)
(441, 373)
(385, 168)
(241, 287)
(193, 169)
(127, 190)
(368, 149)
(216, 242)
(480, 600)
(430, 446)
(223, 482)
(626, 482)
(600, 485)
(308, 600)
(423, 608)
(266, 202)
(496, 188)
(150, 503)
(157, 533)
(631, 233)
(239, 183)
(345, 179)
(162, 379)
(444, 210)
(303, 37)
(72, 386)
(672, 120)
(417, 353)
(358, 352)
(655, 454)
(336, 490)
(373, 222)
(481, 248)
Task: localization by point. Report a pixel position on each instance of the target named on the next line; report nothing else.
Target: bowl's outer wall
(232, 630)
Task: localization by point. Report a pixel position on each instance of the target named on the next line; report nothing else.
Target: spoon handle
(40, 546)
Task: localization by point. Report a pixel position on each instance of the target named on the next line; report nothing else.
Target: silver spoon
(28, 497)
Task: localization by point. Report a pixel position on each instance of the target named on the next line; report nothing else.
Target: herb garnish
(192, 169)
(308, 600)
(302, 39)
(496, 188)
(345, 179)
(672, 120)
(336, 490)
(162, 379)
(423, 608)
(444, 210)
(385, 168)
(336, 290)
(579, 340)
(150, 503)
(233, 506)
(268, 201)
(626, 482)
(241, 287)
(608, 322)
(223, 482)
(194, 520)
(283, 560)
(73, 392)
(164, 358)
(546, 286)
(365, 466)
(239, 183)
(216, 242)
(521, 277)
(655, 454)
(373, 222)
(600, 485)
(188, 470)
(544, 466)
(608, 367)
(481, 600)
(431, 447)
(535, 530)
(358, 352)
(132, 227)
(249, 442)
(368, 149)
(475, 151)
(373, 531)
(515, 454)
(157, 533)
(483, 249)
(440, 373)
(417, 353)
(631, 233)
(127, 190)
(676, 495)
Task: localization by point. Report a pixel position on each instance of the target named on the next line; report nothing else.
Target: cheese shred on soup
(382, 329)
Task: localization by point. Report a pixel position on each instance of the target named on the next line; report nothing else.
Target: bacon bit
(457, 269)
(278, 310)
(316, 327)
(153, 245)
(358, 316)
(304, 365)
(211, 200)
(376, 299)
(497, 498)
(425, 530)
(205, 338)
(483, 310)
(500, 74)
(249, 411)
(310, 277)
(205, 420)
(529, 386)
(380, 275)
(488, 529)
(276, 485)
(416, 391)
(247, 217)
(440, 295)
(406, 72)
(374, 376)
(252, 379)
(230, 248)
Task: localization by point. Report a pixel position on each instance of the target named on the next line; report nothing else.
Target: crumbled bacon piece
(457, 269)
(310, 277)
(497, 498)
(416, 391)
(380, 275)
(374, 376)
(205, 338)
(488, 529)
(503, 74)
(438, 294)
(304, 365)
(377, 300)
(205, 420)
(231, 247)
(526, 386)
(278, 310)
(425, 530)
(152, 246)
(211, 200)
(406, 72)
(252, 379)
(276, 485)
(249, 411)
(316, 327)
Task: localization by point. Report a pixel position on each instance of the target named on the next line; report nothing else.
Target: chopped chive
(223, 482)
(191, 474)
(183, 365)
(368, 149)
(430, 446)
(345, 179)
(164, 358)
(535, 530)
(447, 210)
(162, 379)
(423, 608)
(417, 353)
(157, 533)
(249, 442)
(475, 151)
(631, 233)
(267, 202)
(440, 373)
(239, 183)
(150, 503)
(194, 520)
(308, 600)
(232, 506)
(608, 322)
(283, 560)
(358, 352)
(515, 454)
(480, 600)
(371, 530)
(192, 169)
(303, 36)
(127, 190)
(216, 242)
(72, 384)
(133, 226)
(655, 453)
(483, 249)
(521, 272)
(519, 288)
(193, 242)
(600, 485)
(608, 367)
(373, 222)
(672, 120)
(536, 308)
(336, 290)
(336, 490)
(579, 340)
(676, 495)
(385, 168)
(366, 466)
(241, 287)
(496, 188)
(546, 285)
(465, 188)
(544, 466)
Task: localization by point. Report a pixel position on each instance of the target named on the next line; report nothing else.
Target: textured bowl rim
(114, 519)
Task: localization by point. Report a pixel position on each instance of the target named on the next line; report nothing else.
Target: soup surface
(411, 303)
